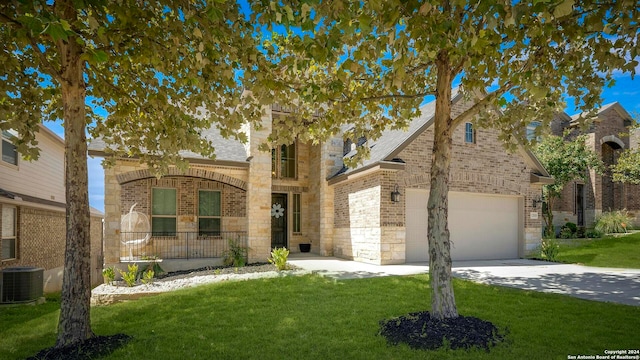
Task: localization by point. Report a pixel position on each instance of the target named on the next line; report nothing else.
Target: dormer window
(469, 134)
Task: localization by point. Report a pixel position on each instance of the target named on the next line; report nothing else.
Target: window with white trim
(163, 211)
(9, 153)
(209, 212)
(469, 133)
(9, 232)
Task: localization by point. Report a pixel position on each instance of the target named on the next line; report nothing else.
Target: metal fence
(178, 245)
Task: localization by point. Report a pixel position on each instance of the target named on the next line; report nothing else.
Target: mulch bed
(91, 348)
(420, 331)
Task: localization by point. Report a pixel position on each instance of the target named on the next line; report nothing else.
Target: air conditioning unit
(21, 284)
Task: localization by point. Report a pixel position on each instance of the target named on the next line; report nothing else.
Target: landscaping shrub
(592, 234)
(147, 278)
(236, 255)
(613, 222)
(569, 231)
(549, 249)
(279, 258)
(109, 274)
(130, 276)
(572, 226)
(566, 233)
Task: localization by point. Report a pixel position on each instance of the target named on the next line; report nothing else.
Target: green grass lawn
(312, 317)
(617, 252)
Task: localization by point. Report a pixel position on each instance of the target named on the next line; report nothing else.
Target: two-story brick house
(608, 135)
(32, 204)
(302, 193)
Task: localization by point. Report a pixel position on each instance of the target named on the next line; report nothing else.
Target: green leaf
(563, 9)
(56, 31)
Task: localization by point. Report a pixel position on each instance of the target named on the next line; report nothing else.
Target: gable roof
(385, 149)
(228, 151)
(605, 108)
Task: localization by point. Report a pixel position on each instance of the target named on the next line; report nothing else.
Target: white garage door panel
(481, 226)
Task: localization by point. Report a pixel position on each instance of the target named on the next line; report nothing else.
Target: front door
(580, 204)
(278, 220)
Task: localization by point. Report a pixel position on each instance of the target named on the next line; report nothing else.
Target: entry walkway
(591, 283)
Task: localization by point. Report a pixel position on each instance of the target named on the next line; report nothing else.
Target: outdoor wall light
(395, 195)
(537, 200)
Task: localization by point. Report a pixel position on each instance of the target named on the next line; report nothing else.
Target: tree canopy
(162, 70)
(566, 160)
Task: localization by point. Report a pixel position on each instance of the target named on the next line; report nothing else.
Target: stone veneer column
(259, 193)
(112, 217)
(331, 163)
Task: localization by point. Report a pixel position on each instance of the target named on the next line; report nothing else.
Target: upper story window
(209, 211)
(469, 133)
(531, 130)
(163, 211)
(9, 153)
(9, 232)
(284, 161)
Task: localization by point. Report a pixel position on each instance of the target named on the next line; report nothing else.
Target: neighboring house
(302, 193)
(608, 135)
(32, 203)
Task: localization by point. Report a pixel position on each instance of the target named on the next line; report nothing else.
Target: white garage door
(482, 226)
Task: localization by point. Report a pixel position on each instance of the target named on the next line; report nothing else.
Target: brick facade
(607, 136)
(41, 235)
(353, 219)
(371, 228)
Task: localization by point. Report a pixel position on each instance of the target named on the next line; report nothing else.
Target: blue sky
(625, 91)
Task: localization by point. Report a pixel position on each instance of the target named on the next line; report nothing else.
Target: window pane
(8, 249)
(288, 161)
(209, 203)
(163, 226)
(9, 154)
(8, 221)
(296, 213)
(273, 163)
(164, 202)
(468, 133)
(209, 226)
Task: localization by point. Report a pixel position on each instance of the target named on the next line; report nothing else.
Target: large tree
(371, 63)
(627, 167)
(565, 160)
(162, 70)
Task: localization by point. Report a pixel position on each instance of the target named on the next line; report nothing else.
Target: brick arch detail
(464, 178)
(198, 173)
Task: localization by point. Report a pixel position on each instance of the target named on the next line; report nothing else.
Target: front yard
(616, 252)
(311, 317)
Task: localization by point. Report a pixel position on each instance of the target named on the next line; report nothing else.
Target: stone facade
(353, 218)
(608, 135)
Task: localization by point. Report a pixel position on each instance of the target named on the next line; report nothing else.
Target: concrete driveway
(591, 283)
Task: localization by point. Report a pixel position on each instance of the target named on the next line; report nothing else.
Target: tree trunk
(75, 325)
(443, 304)
(547, 214)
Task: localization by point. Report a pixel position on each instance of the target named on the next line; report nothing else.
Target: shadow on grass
(606, 287)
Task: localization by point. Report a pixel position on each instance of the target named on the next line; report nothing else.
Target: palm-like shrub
(613, 222)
